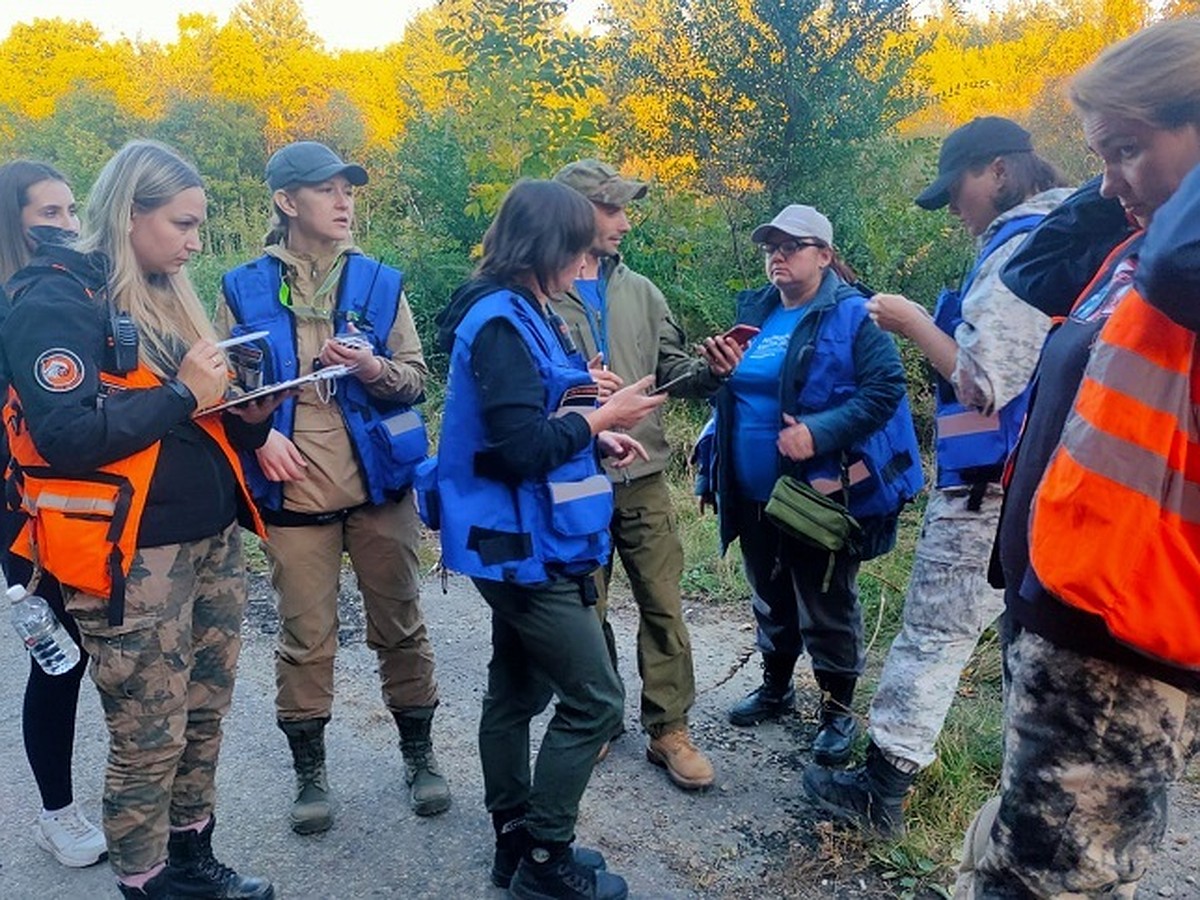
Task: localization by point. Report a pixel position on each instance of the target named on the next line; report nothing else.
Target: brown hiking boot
(687, 767)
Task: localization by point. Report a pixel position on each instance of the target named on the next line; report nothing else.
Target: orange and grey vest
(83, 529)
(1115, 527)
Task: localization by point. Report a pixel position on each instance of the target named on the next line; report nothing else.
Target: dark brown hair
(1026, 174)
(16, 178)
(540, 227)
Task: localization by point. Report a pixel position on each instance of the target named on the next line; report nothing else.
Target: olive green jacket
(643, 338)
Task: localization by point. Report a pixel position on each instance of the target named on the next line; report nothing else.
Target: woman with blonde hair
(135, 504)
(1098, 542)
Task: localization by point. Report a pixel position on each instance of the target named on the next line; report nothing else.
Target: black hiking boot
(512, 842)
(871, 796)
(193, 871)
(835, 737)
(551, 872)
(312, 811)
(770, 700)
(429, 792)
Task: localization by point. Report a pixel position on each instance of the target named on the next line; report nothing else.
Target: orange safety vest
(1115, 526)
(83, 529)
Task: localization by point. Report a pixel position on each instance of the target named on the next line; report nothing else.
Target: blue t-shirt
(757, 418)
(589, 292)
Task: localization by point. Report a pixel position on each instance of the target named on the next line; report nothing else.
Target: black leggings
(48, 716)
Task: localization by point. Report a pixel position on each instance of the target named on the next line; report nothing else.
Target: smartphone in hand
(670, 384)
(742, 335)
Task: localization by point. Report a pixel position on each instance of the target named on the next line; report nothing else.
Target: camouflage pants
(165, 677)
(306, 564)
(1090, 749)
(948, 606)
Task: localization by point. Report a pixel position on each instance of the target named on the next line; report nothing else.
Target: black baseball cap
(309, 162)
(980, 140)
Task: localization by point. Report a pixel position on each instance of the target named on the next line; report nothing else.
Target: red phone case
(742, 334)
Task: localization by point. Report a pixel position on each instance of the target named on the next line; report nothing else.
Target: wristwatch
(182, 390)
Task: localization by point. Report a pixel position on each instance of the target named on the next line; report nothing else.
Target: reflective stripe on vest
(66, 503)
(1115, 528)
(83, 529)
(857, 473)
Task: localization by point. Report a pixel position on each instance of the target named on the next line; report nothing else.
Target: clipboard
(327, 373)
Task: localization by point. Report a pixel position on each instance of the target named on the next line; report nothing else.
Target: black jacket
(58, 307)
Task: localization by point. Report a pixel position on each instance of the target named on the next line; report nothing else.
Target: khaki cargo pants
(645, 536)
(306, 563)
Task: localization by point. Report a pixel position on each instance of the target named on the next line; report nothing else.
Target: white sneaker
(73, 840)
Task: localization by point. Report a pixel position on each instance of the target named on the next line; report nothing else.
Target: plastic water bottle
(48, 641)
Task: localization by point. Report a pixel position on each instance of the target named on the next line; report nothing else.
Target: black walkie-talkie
(121, 344)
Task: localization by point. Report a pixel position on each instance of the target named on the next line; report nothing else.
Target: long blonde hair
(144, 175)
(1152, 77)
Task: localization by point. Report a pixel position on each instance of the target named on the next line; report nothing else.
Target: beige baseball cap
(601, 183)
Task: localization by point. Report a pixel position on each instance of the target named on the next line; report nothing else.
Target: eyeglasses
(787, 247)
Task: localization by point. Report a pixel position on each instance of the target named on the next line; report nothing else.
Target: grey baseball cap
(309, 162)
(799, 221)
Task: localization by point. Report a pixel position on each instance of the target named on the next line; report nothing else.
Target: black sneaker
(561, 877)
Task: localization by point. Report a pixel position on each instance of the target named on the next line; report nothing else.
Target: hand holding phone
(663, 388)
(741, 335)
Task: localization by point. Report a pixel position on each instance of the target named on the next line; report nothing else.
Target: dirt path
(751, 836)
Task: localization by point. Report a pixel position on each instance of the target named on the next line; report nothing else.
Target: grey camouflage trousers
(1090, 749)
(948, 606)
(165, 677)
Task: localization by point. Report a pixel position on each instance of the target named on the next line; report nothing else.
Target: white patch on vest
(58, 370)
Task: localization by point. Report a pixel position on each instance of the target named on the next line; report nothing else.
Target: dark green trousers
(545, 643)
(645, 535)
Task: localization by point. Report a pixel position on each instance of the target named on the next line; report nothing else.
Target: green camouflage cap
(600, 182)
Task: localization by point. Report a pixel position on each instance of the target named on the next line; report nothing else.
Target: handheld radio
(121, 344)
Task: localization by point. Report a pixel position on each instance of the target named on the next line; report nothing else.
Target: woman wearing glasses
(824, 387)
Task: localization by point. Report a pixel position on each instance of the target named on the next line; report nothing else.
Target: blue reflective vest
(881, 472)
(972, 447)
(522, 532)
(388, 438)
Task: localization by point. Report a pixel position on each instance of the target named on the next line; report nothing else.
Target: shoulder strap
(1005, 233)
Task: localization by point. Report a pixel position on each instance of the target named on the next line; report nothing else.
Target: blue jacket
(524, 531)
(972, 447)
(388, 438)
(842, 377)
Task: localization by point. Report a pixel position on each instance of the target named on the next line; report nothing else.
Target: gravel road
(750, 836)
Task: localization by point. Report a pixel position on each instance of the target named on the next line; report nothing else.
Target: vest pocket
(580, 508)
(429, 497)
(76, 527)
(402, 443)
